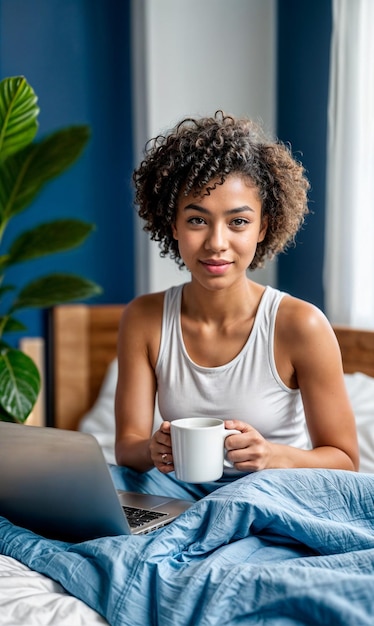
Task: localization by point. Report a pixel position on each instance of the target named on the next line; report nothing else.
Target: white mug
(198, 447)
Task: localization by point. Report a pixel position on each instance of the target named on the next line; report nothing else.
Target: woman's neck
(221, 306)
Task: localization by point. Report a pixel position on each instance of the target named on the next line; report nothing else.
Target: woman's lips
(216, 267)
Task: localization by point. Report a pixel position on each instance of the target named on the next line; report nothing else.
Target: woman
(221, 198)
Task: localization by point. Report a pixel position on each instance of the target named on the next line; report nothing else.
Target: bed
(289, 547)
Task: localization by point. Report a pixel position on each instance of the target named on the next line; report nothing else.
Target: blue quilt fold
(279, 547)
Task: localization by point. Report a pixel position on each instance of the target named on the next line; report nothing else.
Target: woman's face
(218, 233)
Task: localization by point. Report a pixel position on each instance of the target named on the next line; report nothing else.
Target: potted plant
(26, 165)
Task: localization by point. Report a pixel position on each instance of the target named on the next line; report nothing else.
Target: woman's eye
(197, 221)
(239, 221)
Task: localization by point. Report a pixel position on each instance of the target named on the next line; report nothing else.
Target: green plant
(25, 167)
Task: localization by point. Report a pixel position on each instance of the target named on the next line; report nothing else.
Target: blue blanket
(278, 547)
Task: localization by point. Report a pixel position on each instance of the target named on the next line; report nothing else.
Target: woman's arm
(138, 344)
(307, 356)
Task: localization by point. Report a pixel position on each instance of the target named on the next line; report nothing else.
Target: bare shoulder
(146, 308)
(304, 331)
(298, 316)
(140, 325)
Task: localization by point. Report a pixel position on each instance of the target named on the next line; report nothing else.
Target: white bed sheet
(28, 598)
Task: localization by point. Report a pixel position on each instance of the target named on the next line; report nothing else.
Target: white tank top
(248, 388)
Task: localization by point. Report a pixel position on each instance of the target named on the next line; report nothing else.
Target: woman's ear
(264, 227)
(174, 231)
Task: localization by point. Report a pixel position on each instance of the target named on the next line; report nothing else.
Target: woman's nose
(216, 239)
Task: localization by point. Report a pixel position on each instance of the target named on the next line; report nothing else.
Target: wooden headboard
(84, 342)
(357, 348)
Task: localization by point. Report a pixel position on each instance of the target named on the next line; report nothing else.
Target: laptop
(57, 484)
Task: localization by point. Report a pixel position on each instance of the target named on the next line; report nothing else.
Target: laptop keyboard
(139, 517)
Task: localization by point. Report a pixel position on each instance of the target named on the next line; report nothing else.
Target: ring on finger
(164, 457)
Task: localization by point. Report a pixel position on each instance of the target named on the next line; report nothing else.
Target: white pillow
(100, 421)
(361, 393)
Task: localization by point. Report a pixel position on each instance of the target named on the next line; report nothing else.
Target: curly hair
(198, 154)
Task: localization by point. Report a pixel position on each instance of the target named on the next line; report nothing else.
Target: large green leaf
(6, 289)
(19, 384)
(55, 289)
(11, 324)
(18, 115)
(5, 417)
(23, 175)
(48, 238)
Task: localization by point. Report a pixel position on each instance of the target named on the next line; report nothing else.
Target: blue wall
(76, 56)
(304, 30)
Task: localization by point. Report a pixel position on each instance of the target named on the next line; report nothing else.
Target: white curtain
(349, 249)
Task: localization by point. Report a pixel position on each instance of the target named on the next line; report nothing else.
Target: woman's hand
(160, 449)
(248, 451)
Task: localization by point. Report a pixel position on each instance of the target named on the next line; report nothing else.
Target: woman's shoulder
(150, 305)
(144, 309)
(301, 321)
